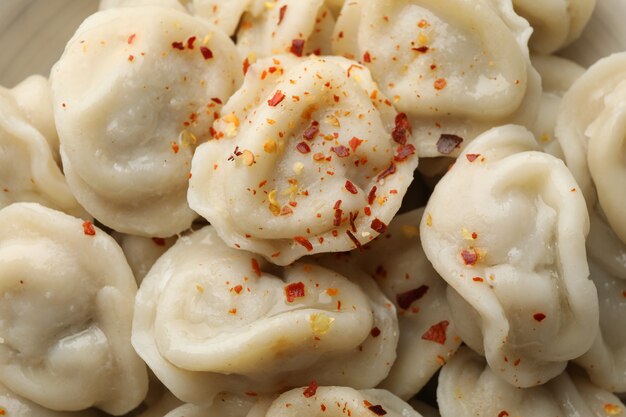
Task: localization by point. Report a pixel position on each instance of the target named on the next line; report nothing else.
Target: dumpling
(334, 401)
(14, 405)
(428, 335)
(605, 362)
(28, 171)
(209, 318)
(590, 130)
(134, 92)
(467, 388)
(556, 23)
(308, 157)
(33, 97)
(285, 26)
(557, 76)
(455, 67)
(66, 314)
(224, 14)
(225, 405)
(142, 252)
(506, 228)
(111, 4)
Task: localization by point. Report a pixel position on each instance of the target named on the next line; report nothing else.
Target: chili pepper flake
(448, 143)
(421, 49)
(206, 52)
(294, 290)
(503, 414)
(354, 240)
(276, 99)
(354, 143)
(88, 228)
(407, 298)
(378, 226)
(255, 267)
(311, 131)
(612, 409)
(131, 38)
(178, 45)
(246, 66)
(341, 151)
(391, 169)
(304, 242)
(472, 156)
(401, 129)
(281, 14)
(232, 311)
(312, 388)
(371, 197)
(477, 279)
(302, 147)
(351, 187)
(539, 317)
(190, 41)
(470, 257)
(403, 152)
(377, 409)
(323, 407)
(366, 57)
(437, 332)
(297, 47)
(159, 241)
(353, 216)
(131, 58)
(238, 288)
(375, 332)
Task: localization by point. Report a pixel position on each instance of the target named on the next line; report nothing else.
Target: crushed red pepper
(470, 257)
(354, 239)
(304, 242)
(401, 129)
(297, 47)
(448, 143)
(407, 298)
(377, 409)
(503, 414)
(311, 389)
(246, 65)
(178, 45)
(375, 332)
(88, 228)
(403, 152)
(354, 143)
(281, 14)
(255, 267)
(421, 49)
(351, 187)
(366, 57)
(190, 42)
(311, 131)
(472, 156)
(294, 290)
(437, 332)
(378, 226)
(206, 52)
(302, 147)
(159, 241)
(341, 151)
(391, 169)
(276, 99)
(371, 197)
(539, 316)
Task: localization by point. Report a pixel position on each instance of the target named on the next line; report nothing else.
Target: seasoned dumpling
(590, 130)
(142, 252)
(455, 67)
(308, 157)
(209, 318)
(334, 401)
(468, 388)
(67, 307)
(606, 360)
(557, 76)
(285, 26)
(134, 92)
(224, 405)
(556, 23)
(428, 336)
(14, 405)
(28, 171)
(506, 228)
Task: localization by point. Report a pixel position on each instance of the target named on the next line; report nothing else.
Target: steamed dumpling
(308, 157)
(506, 228)
(67, 307)
(134, 93)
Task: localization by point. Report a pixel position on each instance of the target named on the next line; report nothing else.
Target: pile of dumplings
(359, 208)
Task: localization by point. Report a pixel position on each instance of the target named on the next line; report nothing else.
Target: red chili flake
(440, 83)
(337, 219)
(304, 242)
(294, 290)
(378, 226)
(367, 210)
(391, 169)
(238, 288)
(448, 143)
(437, 332)
(178, 45)
(355, 143)
(407, 298)
(421, 49)
(323, 407)
(246, 65)
(276, 99)
(341, 151)
(375, 332)
(477, 279)
(131, 38)
(216, 100)
(337, 204)
(281, 14)
(302, 147)
(351, 188)
(472, 156)
(539, 316)
(159, 241)
(353, 239)
(353, 217)
(371, 197)
(503, 414)
(190, 42)
(131, 58)
(401, 129)
(403, 152)
(175, 147)
(366, 57)
(469, 257)
(517, 362)
(312, 388)
(338, 305)
(311, 131)
(255, 267)
(377, 409)
(297, 46)
(206, 52)
(88, 228)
